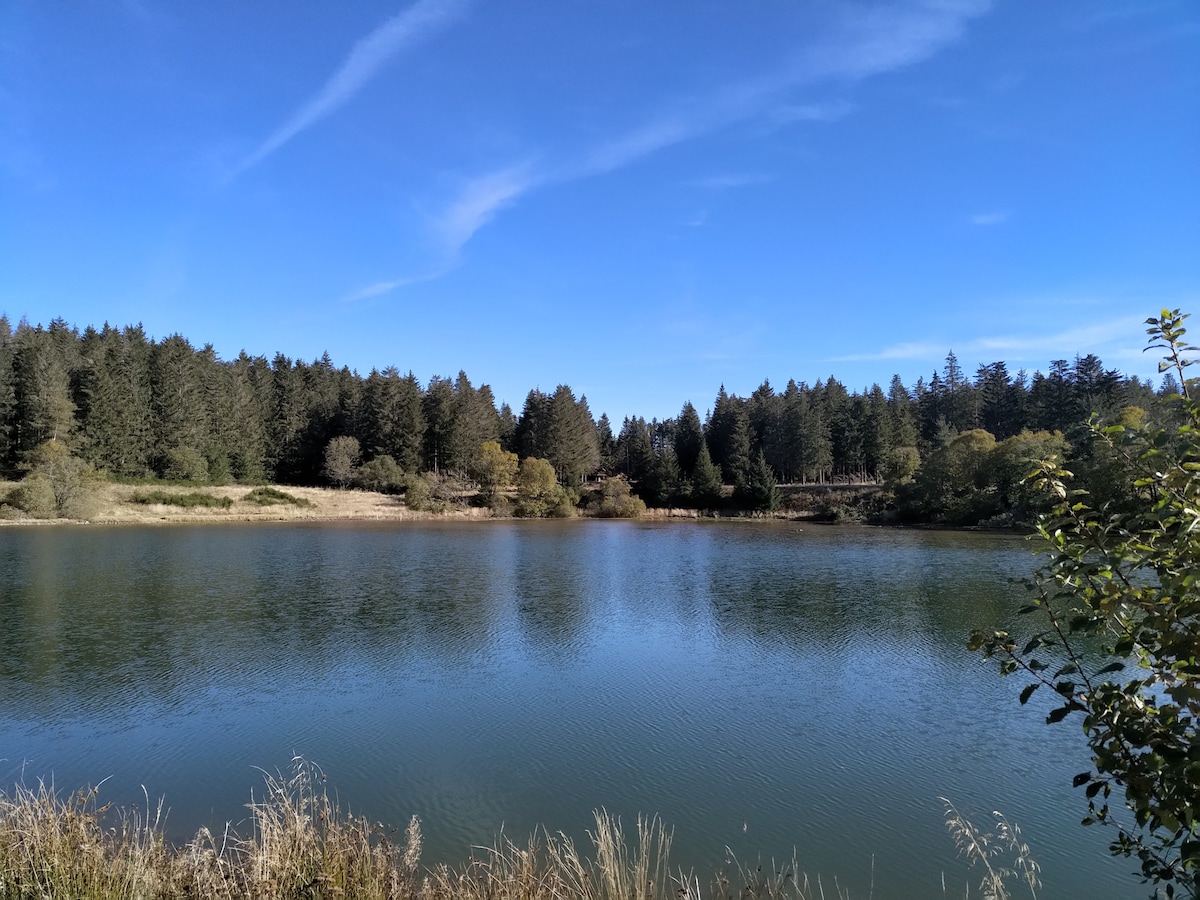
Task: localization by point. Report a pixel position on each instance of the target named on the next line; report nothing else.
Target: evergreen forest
(954, 448)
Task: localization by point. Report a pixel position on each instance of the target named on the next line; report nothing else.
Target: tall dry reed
(301, 844)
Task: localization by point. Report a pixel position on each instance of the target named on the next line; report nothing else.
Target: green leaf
(1057, 715)
(1027, 692)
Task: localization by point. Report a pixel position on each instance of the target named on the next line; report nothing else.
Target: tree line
(134, 407)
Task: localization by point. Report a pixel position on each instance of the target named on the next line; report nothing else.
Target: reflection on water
(761, 686)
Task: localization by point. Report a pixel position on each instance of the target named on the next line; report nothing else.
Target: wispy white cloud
(634, 145)
(478, 203)
(1112, 336)
(403, 30)
(1126, 330)
(380, 288)
(861, 45)
(998, 217)
(871, 42)
(907, 350)
(732, 180)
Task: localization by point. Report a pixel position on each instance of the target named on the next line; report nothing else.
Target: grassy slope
(113, 506)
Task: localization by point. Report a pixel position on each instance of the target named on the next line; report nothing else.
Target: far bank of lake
(761, 688)
(112, 503)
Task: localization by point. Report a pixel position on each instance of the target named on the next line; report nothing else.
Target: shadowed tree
(530, 436)
(689, 435)
(8, 397)
(607, 445)
(728, 437)
(764, 410)
(760, 493)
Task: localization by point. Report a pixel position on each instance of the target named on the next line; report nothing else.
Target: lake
(763, 687)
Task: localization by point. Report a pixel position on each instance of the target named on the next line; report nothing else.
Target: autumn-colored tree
(494, 468)
(538, 491)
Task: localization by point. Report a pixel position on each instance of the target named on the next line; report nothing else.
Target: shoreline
(114, 505)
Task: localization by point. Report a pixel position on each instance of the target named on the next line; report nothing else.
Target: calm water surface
(762, 687)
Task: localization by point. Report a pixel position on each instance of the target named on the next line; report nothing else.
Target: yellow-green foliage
(494, 467)
(59, 484)
(538, 491)
(33, 496)
(616, 502)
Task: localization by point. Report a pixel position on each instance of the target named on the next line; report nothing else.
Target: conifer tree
(530, 436)
(44, 410)
(392, 417)
(661, 483)
(689, 435)
(706, 481)
(438, 406)
(474, 421)
(8, 396)
(571, 443)
(728, 437)
(902, 425)
(508, 427)
(249, 393)
(115, 413)
(764, 411)
(607, 445)
(760, 493)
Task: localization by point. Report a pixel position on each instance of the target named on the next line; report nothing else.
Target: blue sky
(643, 200)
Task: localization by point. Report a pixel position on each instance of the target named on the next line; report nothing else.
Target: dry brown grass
(115, 504)
(302, 845)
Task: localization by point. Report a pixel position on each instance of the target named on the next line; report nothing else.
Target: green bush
(269, 496)
(34, 496)
(616, 502)
(186, 501)
(382, 474)
(70, 479)
(539, 493)
(1116, 606)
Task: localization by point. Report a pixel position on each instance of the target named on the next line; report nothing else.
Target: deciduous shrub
(1117, 606)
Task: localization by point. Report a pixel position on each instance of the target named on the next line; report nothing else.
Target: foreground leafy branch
(1117, 597)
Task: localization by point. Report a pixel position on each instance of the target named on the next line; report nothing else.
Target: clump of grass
(269, 496)
(301, 844)
(187, 501)
(55, 846)
(304, 845)
(1000, 853)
